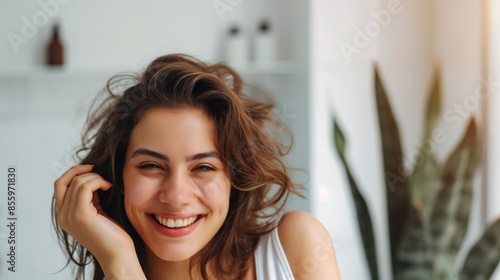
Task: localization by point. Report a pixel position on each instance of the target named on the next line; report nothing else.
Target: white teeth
(177, 223)
(170, 223)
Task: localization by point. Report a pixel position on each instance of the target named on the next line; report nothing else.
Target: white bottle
(265, 45)
(237, 51)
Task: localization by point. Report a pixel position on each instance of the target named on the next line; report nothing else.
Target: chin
(172, 254)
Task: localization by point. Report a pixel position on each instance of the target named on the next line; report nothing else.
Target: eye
(149, 166)
(204, 168)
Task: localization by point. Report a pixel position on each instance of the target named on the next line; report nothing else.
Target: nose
(176, 190)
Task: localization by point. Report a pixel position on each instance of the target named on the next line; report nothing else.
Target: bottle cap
(234, 30)
(264, 26)
(55, 31)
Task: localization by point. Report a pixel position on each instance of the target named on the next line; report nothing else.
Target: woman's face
(176, 187)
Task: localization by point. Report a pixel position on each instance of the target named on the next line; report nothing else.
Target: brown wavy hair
(246, 134)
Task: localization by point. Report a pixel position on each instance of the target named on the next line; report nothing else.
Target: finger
(84, 194)
(82, 179)
(61, 184)
(75, 190)
(97, 203)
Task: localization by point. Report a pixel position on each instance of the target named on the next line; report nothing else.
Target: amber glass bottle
(55, 54)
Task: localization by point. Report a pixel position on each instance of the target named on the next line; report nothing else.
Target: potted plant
(428, 208)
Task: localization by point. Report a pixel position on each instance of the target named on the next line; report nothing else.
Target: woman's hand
(80, 214)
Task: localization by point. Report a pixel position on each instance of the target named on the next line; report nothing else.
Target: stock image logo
(31, 25)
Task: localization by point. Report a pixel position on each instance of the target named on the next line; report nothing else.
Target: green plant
(428, 210)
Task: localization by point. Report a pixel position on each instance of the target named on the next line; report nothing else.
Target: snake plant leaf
(450, 215)
(433, 109)
(339, 139)
(424, 184)
(362, 212)
(484, 256)
(398, 200)
(415, 253)
(424, 181)
(414, 258)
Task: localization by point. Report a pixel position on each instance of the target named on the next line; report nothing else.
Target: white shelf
(47, 72)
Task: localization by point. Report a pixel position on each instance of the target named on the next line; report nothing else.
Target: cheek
(135, 191)
(217, 191)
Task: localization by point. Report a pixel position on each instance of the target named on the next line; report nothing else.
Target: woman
(182, 180)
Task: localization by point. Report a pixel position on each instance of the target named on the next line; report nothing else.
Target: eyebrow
(151, 153)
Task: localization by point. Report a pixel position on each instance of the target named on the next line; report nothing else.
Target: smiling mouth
(176, 223)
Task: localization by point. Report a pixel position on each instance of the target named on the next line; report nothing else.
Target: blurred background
(316, 58)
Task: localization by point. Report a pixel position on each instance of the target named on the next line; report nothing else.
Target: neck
(157, 268)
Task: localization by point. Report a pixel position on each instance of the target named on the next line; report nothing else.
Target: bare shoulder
(307, 246)
(300, 221)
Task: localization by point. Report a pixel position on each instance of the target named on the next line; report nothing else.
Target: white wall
(39, 129)
(494, 109)
(109, 34)
(493, 103)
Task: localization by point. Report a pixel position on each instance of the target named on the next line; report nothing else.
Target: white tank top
(270, 259)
